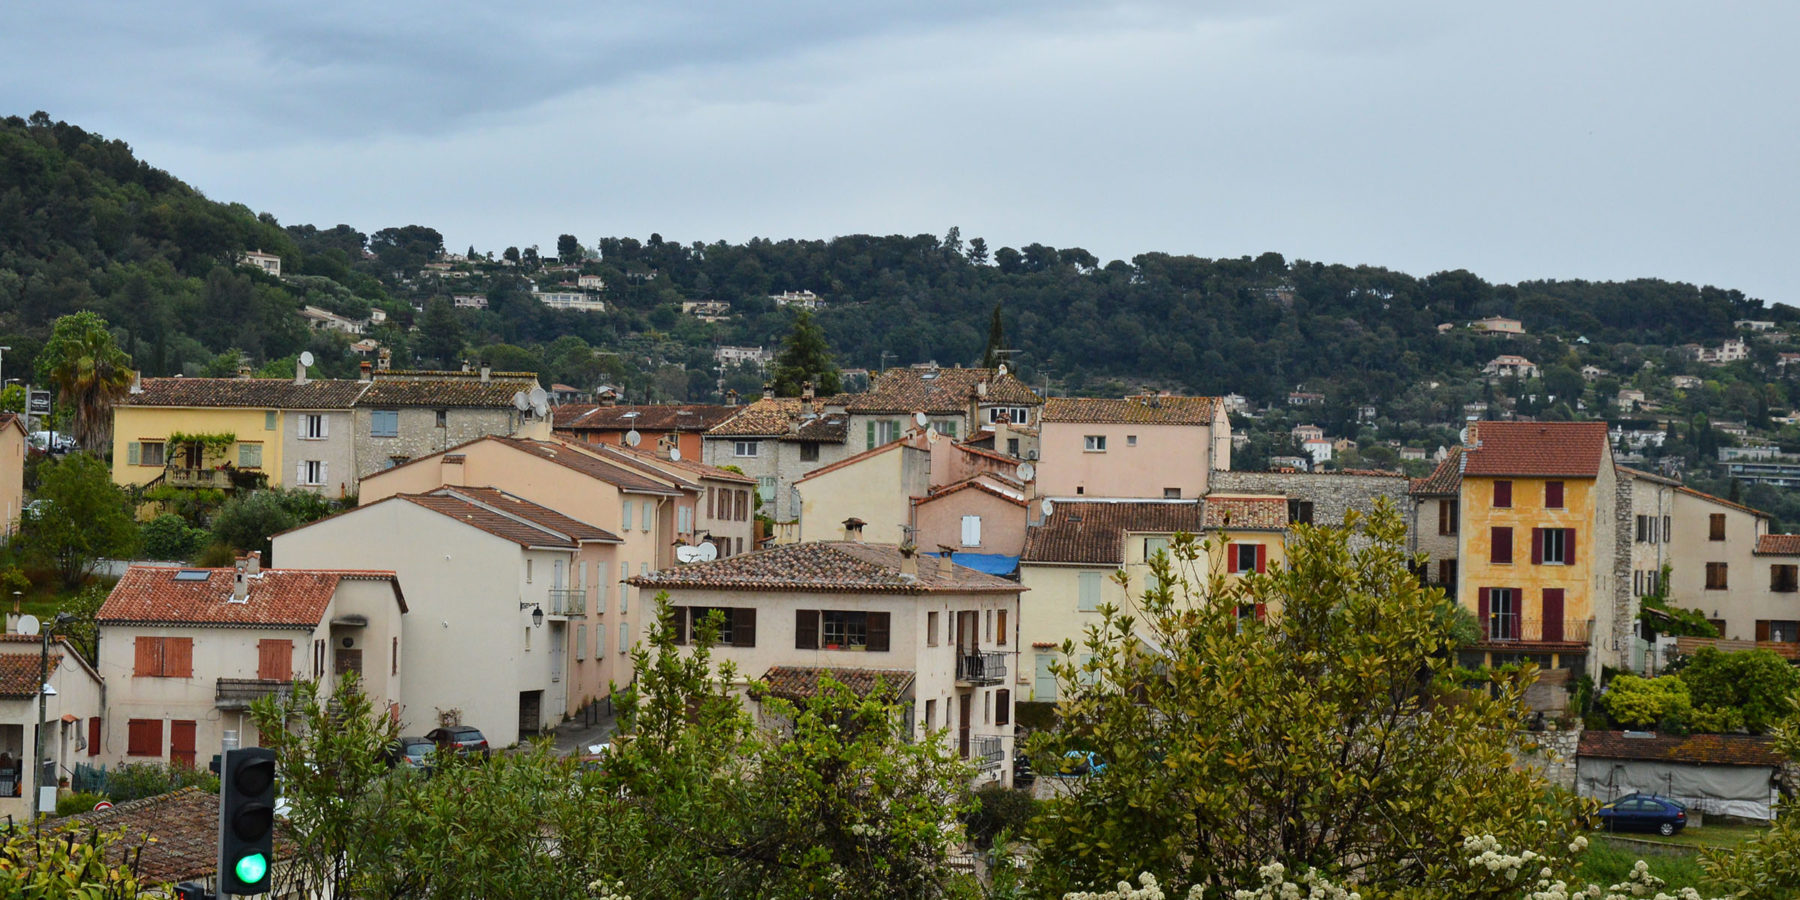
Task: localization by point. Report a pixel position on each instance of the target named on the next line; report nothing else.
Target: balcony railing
(981, 668)
(176, 476)
(239, 693)
(987, 751)
(567, 601)
(1502, 629)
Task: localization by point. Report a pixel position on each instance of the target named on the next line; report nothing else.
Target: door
(963, 707)
(531, 706)
(193, 456)
(1553, 614)
(181, 744)
(968, 632)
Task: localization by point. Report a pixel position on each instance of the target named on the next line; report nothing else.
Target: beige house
(876, 486)
(960, 403)
(403, 415)
(1147, 446)
(933, 634)
(510, 629)
(72, 714)
(714, 506)
(12, 471)
(1436, 520)
(185, 651)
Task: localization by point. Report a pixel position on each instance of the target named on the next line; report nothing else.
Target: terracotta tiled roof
(783, 417)
(1721, 501)
(504, 515)
(843, 566)
(1779, 544)
(19, 673)
(937, 391)
(1144, 409)
(588, 463)
(447, 389)
(1245, 513)
(183, 828)
(1005, 490)
(1444, 480)
(802, 683)
(256, 393)
(871, 453)
(277, 598)
(1533, 449)
(1647, 476)
(682, 468)
(661, 417)
(1710, 749)
(1093, 531)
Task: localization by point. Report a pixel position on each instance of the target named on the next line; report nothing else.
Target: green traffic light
(253, 868)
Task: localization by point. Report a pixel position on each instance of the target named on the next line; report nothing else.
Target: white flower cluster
(603, 891)
(1148, 890)
(1311, 886)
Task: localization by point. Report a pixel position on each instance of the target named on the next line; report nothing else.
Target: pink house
(1146, 446)
(982, 514)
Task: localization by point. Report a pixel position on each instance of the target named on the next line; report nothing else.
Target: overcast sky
(1519, 140)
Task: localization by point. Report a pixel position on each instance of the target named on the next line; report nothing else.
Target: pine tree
(996, 342)
(805, 356)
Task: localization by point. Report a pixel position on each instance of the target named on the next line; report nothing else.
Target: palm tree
(90, 372)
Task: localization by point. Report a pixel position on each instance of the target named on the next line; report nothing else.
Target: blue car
(1644, 812)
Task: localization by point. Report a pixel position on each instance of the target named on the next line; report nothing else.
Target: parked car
(51, 441)
(1022, 774)
(1076, 763)
(459, 739)
(414, 752)
(1643, 812)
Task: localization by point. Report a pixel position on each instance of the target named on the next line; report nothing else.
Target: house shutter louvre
(93, 736)
(1000, 630)
(324, 425)
(178, 657)
(1443, 517)
(680, 616)
(1553, 615)
(1003, 707)
(878, 632)
(1762, 629)
(1569, 545)
(1537, 546)
(1481, 610)
(300, 472)
(870, 430)
(133, 452)
(743, 627)
(806, 629)
(1231, 557)
(149, 657)
(275, 660)
(1262, 558)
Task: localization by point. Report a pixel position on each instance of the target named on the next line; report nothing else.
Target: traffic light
(246, 820)
(192, 890)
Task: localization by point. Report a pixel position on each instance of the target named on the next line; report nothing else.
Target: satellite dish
(632, 438)
(538, 395)
(539, 409)
(28, 624)
(919, 417)
(306, 358)
(687, 554)
(931, 437)
(1026, 471)
(520, 401)
(1002, 370)
(708, 552)
(1047, 507)
(675, 454)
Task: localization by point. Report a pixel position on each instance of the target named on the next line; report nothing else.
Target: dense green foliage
(1711, 691)
(805, 359)
(82, 516)
(90, 373)
(250, 518)
(44, 864)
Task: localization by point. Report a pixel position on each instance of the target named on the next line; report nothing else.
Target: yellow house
(1536, 541)
(876, 486)
(196, 432)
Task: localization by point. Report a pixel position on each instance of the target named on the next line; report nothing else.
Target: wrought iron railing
(1504, 629)
(988, 751)
(239, 693)
(981, 668)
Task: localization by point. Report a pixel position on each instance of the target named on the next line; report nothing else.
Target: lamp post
(44, 771)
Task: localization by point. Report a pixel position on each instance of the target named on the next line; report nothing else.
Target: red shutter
(1537, 546)
(1443, 517)
(1262, 558)
(275, 660)
(1003, 707)
(143, 737)
(178, 657)
(1500, 545)
(181, 744)
(1502, 494)
(149, 658)
(1481, 609)
(1262, 612)
(1553, 494)
(94, 736)
(1231, 558)
(1569, 546)
(1000, 627)
(1553, 614)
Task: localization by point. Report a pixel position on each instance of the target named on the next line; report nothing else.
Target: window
(1447, 516)
(931, 629)
(1012, 446)
(1300, 512)
(1553, 495)
(1781, 631)
(1173, 493)
(1155, 545)
(1784, 579)
(840, 630)
(143, 737)
(1502, 495)
(312, 472)
(269, 420)
(443, 418)
(1017, 415)
(1003, 707)
(152, 454)
(809, 451)
(384, 423)
(1043, 686)
(1553, 546)
(947, 427)
(1499, 614)
(1131, 440)
(1717, 524)
(163, 657)
(930, 714)
(312, 426)
(971, 531)
(395, 462)
(1716, 577)
(1668, 531)
(1089, 598)
(394, 658)
(845, 629)
(1245, 558)
(737, 625)
(1094, 443)
(1500, 551)
(745, 448)
(249, 456)
(275, 660)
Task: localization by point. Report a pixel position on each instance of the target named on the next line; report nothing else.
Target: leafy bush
(247, 520)
(170, 537)
(72, 804)
(999, 808)
(132, 781)
(1754, 684)
(1647, 702)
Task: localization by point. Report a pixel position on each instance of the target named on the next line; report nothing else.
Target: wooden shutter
(743, 627)
(181, 743)
(1762, 629)
(1443, 517)
(679, 621)
(1537, 546)
(133, 452)
(1502, 494)
(144, 737)
(1003, 707)
(1553, 614)
(1262, 558)
(712, 502)
(1553, 494)
(870, 439)
(1001, 628)
(274, 660)
(1482, 605)
(149, 657)
(178, 657)
(1500, 549)
(93, 735)
(1231, 557)
(806, 629)
(878, 632)
(1569, 546)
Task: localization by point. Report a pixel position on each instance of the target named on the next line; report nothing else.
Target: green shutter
(269, 420)
(952, 424)
(871, 434)
(133, 452)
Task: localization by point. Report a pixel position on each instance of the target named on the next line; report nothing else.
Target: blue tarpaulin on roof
(991, 563)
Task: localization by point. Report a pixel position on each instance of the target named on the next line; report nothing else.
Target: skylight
(193, 575)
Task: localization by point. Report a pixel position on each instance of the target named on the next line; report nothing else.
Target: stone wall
(421, 435)
(1331, 494)
(1553, 752)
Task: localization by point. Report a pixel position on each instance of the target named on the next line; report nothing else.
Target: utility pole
(45, 772)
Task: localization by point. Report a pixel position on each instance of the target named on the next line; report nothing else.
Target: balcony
(1517, 631)
(980, 668)
(567, 602)
(177, 476)
(239, 693)
(987, 751)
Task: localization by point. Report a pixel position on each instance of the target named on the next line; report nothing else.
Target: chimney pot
(768, 390)
(487, 372)
(365, 371)
(299, 372)
(243, 371)
(853, 529)
(253, 562)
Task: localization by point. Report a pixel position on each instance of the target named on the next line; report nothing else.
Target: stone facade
(424, 431)
(1553, 752)
(325, 464)
(1331, 494)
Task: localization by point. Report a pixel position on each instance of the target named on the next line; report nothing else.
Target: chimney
(384, 358)
(299, 372)
(137, 382)
(465, 365)
(909, 562)
(365, 371)
(487, 373)
(12, 618)
(806, 400)
(731, 397)
(853, 528)
(253, 563)
(240, 587)
(243, 371)
(768, 390)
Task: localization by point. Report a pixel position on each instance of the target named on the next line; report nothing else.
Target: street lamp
(45, 769)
